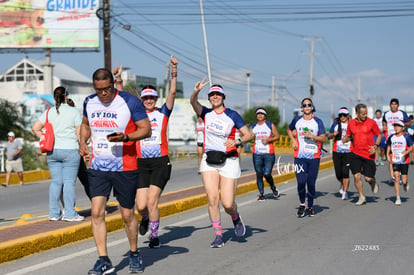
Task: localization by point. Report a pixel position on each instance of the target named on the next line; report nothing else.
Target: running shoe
(381, 163)
(361, 201)
(53, 219)
(77, 218)
(398, 201)
(154, 242)
(341, 190)
(406, 187)
(301, 211)
(261, 198)
(239, 228)
(377, 163)
(135, 263)
(143, 226)
(276, 192)
(309, 212)
(345, 196)
(374, 187)
(218, 242)
(101, 267)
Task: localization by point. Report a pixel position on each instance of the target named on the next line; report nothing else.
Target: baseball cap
(216, 89)
(149, 92)
(10, 134)
(343, 110)
(398, 122)
(395, 100)
(261, 111)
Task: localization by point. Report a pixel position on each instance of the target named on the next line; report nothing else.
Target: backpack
(48, 137)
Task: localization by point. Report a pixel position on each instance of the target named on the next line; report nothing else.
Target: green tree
(11, 120)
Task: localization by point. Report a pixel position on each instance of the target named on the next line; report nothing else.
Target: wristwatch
(126, 139)
(239, 144)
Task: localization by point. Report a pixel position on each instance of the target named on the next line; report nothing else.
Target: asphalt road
(33, 198)
(340, 239)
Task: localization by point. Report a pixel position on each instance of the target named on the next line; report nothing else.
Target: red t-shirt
(362, 134)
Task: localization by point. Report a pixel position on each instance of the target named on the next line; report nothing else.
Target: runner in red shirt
(361, 132)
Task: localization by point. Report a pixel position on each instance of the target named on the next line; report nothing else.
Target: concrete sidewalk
(17, 241)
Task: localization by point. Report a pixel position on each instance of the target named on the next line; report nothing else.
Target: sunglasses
(306, 105)
(215, 93)
(343, 115)
(101, 90)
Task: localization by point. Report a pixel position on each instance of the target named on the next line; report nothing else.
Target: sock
(235, 216)
(154, 228)
(216, 227)
(105, 258)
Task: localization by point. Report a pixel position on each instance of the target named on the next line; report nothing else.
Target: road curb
(21, 247)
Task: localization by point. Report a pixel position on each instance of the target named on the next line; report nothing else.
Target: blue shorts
(383, 143)
(124, 184)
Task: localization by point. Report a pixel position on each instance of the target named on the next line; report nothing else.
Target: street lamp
(248, 90)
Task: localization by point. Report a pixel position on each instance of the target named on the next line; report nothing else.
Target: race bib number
(262, 148)
(217, 127)
(102, 146)
(344, 147)
(398, 157)
(310, 147)
(154, 139)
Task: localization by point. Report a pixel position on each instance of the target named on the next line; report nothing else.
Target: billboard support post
(48, 72)
(107, 34)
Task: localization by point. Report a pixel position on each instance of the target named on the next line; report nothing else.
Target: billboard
(49, 24)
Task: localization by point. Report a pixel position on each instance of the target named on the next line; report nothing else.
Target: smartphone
(111, 135)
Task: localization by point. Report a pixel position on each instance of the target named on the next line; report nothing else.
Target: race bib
(262, 148)
(344, 147)
(102, 146)
(398, 157)
(154, 139)
(310, 147)
(217, 127)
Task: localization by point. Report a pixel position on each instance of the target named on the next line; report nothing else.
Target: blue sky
(266, 39)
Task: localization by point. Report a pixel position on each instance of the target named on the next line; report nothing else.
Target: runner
(380, 152)
(341, 151)
(399, 146)
(200, 140)
(113, 120)
(154, 164)
(389, 118)
(265, 133)
(220, 166)
(307, 133)
(361, 130)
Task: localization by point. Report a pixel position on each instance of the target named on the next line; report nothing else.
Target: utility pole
(203, 23)
(107, 34)
(312, 54)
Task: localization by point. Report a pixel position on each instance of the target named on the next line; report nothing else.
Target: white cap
(343, 111)
(149, 92)
(10, 134)
(398, 122)
(261, 111)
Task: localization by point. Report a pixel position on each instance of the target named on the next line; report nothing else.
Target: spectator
(14, 159)
(63, 160)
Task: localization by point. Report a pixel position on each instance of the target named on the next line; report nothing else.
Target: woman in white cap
(341, 152)
(265, 133)
(154, 165)
(220, 167)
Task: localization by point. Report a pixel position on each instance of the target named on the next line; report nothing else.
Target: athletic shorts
(200, 144)
(362, 165)
(14, 165)
(124, 184)
(154, 171)
(229, 169)
(402, 168)
(341, 165)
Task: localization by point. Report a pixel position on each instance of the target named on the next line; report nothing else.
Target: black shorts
(154, 171)
(200, 144)
(402, 168)
(123, 182)
(342, 165)
(362, 165)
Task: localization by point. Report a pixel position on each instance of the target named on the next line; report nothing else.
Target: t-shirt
(157, 144)
(399, 144)
(12, 148)
(338, 146)
(119, 115)
(362, 134)
(307, 147)
(261, 131)
(391, 117)
(220, 127)
(379, 122)
(64, 126)
(200, 132)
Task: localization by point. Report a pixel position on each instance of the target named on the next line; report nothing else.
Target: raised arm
(173, 85)
(194, 97)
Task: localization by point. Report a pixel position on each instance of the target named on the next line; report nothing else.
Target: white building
(26, 77)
